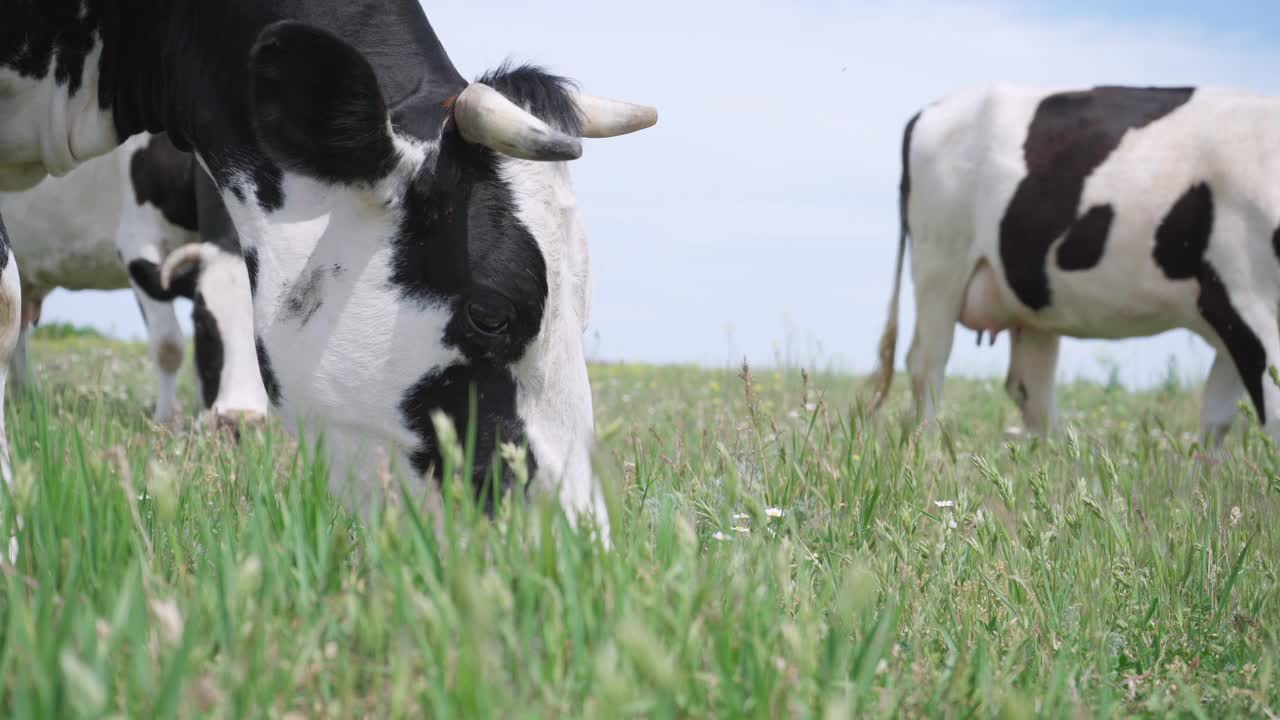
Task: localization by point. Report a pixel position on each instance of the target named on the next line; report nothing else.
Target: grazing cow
(1103, 213)
(412, 239)
(113, 220)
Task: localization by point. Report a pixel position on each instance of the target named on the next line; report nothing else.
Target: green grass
(1113, 571)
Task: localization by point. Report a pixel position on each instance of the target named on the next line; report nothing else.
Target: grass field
(776, 555)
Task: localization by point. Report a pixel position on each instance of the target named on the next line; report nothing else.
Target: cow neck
(193, 84)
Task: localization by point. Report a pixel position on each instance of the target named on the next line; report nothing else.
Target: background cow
(112, 220)
(1105, 213)
(412, 239)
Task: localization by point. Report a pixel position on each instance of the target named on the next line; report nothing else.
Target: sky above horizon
(758, 219)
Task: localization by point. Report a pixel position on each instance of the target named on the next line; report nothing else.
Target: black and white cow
(409, 235)
(1103, 213)
(113, 220)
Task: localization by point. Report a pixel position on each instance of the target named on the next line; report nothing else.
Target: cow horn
(189, 254)
(485, 117)
(605, 118)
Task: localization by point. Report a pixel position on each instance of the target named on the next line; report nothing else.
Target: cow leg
(939, 299)
(141, 255)
(1222, 393)
(10, 331)
(165, 338)
(1246, 324)
(20, 369)
(10, 328)
(1033, 366)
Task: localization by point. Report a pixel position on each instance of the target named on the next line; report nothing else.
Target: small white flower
(773, 512)
(810, 406)
(793, 414)
(1235, 515)
(739, 516)
(717, 535)
(944, 503)
(742, 530)
(952, 524)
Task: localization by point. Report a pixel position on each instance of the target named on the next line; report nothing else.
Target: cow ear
(146, 275)
(317, 106)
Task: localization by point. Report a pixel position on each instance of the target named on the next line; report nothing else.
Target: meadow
(776, 554)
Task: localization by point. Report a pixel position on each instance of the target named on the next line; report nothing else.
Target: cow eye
(487, 318)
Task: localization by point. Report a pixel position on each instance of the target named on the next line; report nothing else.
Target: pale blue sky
(759, 217)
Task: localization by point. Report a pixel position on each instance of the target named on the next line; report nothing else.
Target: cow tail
(882, 379)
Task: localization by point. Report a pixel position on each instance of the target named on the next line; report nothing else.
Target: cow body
(1106, 213)
(107, 225)
(411, 239)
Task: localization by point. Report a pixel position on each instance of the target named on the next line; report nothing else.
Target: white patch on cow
(345, 371)
(46, 130)
(224, 285)
(554, 398)
(966, 161)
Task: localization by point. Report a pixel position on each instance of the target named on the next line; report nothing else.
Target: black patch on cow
(251, 266)
(904, 185)
(305, 297)
(496, 421)
(269, 380)
(1085, 242)
(4, 245)
(317, 106)
(1275, 242)
(1183, 235)
(208, 348)
(1070, 136)
(183, 68)
(60, 31)
(162, 175)
(1246, 349)
(146, 275)
(1182, 239)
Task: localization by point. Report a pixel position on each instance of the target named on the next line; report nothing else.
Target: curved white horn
(605, 118)
(180, 258)
(485, 117)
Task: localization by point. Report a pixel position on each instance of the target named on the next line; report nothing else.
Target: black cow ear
(317, 106)
(147, 276)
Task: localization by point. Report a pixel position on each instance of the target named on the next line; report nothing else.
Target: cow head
(398, 273)
(216, 282)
